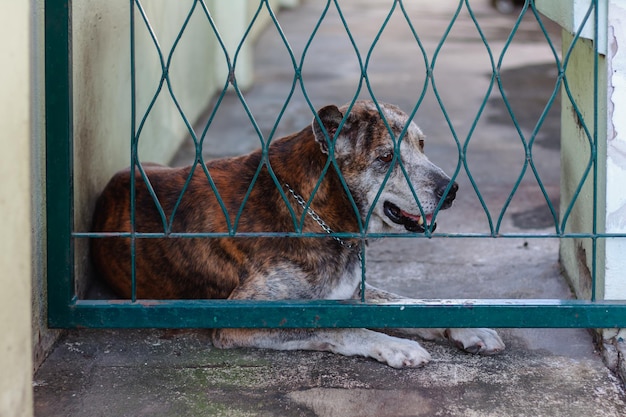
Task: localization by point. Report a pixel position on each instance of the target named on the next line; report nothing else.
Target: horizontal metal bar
(347, 235)
(497, 313)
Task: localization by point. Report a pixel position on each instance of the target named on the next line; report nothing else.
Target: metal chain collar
(309, 210)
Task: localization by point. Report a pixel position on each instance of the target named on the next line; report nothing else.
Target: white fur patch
(347, 285)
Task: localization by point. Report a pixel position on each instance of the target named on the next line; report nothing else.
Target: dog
(360, 144)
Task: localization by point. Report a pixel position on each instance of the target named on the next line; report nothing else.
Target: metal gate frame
(67, 311)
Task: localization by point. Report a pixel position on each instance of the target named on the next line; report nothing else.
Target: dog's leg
(393, 351)
(290, 282)
(479, 341)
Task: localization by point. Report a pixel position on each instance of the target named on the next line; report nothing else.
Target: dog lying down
(272, 268)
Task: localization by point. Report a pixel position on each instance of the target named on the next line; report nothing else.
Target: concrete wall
(15, 251)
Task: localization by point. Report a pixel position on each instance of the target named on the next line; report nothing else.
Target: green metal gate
(67, 310)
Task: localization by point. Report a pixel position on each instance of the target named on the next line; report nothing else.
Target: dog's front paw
(477, 341)
(401, 353)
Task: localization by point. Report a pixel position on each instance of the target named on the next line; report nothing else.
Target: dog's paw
(477, 341)
(401, 353)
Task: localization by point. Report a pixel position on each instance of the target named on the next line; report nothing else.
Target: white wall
(15, 250)
(615, 276)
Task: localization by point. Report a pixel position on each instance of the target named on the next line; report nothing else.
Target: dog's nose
(441, 189)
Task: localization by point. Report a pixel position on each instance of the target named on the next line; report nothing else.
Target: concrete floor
(543, 372)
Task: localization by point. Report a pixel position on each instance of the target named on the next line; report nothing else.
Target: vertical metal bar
(362, 244)
(59, 149)
(594, 150)
(133, 154)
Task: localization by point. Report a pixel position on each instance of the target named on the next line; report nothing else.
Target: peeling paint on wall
(615, 285)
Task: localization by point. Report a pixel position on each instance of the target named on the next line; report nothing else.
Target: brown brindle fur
(187, 267)
(275, 267)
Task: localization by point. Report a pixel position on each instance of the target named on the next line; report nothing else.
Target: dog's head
(366, 151)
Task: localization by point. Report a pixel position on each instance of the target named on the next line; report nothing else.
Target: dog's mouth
(411, 222)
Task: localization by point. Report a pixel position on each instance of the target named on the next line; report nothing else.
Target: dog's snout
(442, 185)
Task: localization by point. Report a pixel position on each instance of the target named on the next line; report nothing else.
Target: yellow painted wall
(576, 254)
(15, 250)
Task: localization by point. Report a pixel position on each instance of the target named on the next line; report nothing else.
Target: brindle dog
(275, 268)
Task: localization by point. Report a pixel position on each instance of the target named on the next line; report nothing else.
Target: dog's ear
(331, 117)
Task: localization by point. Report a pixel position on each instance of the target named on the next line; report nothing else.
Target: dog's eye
(421, 144)
(386, 157)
